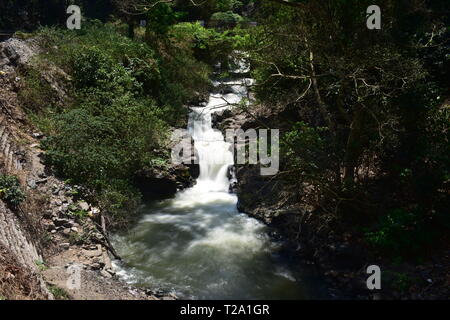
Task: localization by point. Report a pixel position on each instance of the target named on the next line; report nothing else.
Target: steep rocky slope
(16, 228)
(52, 229)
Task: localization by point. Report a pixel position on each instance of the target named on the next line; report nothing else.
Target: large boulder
(164, 182)
(15, 52)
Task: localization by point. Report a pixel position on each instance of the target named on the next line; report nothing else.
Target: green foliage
(58, 293)
(78, 238)
(97, 144)
(161, 17)
(306, 141)
(114, 126)
(183, 76)
(11, 191)
(208, 45)
(228, 5)
(399, 281)
(227, 18)
(41, 265)
(436, 147)
(92, 68)
(123, 97)
(362, 112)
(79, 214)
(37, 94)
(209, 7)
(403, 233)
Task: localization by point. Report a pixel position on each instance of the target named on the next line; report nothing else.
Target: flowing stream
(197, 244)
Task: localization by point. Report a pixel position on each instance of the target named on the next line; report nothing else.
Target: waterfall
(197, 244)
(214, 154)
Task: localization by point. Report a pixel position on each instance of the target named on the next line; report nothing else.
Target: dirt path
(93, 284)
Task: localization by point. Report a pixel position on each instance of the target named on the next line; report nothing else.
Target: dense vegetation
(122, 96)
(370, 124)
(368, 113)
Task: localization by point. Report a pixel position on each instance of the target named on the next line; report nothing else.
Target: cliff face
(20, 254)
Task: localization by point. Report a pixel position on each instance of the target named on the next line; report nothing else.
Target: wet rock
(218, 117)
(198, 98)
(155, 184)
(158, 293)
(233, 187)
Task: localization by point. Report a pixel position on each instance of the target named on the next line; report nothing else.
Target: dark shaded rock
(61, 222)
(199, 98)
(155, 184)
(217, 118)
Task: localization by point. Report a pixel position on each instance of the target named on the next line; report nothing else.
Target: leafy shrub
(123, 99)
(58, 293)
(227, 5)
(402, 233)
(227, 18)
(113, 126)
(208, 45)
(303, 147)
(10, 190)
(37, 94)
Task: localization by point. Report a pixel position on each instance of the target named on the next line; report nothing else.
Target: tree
(319, 57)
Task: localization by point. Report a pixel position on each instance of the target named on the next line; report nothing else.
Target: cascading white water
(198, 244)
(214, 154)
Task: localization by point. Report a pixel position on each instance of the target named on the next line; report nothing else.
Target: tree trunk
(131, 29)
(353, 150)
